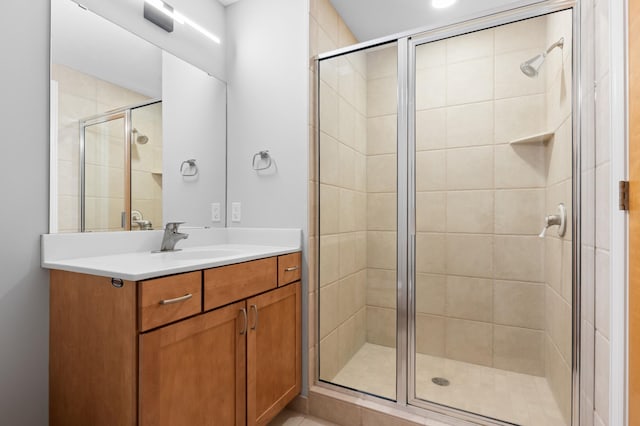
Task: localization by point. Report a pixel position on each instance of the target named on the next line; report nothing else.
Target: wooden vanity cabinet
(236, 282)
(193, 372)
(289, 268)
(273, 333)
(93, 362)
(168, 299)
(273, 353)
(120, 357)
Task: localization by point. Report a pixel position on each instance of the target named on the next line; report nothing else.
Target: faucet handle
(559, 220)
(173, 226)
(544, 232)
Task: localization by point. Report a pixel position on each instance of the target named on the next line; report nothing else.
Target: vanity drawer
(289, 268)
(168, 299)
(227, 284)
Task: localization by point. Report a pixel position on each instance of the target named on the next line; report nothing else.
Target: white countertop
(138, 266)
(104, 254)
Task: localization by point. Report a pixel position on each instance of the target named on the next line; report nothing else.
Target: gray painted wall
(268, 108)
(194, 110)
(24, 176)
(276, 121)
(267, 86)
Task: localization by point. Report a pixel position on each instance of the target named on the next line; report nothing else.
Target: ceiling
(371, 19)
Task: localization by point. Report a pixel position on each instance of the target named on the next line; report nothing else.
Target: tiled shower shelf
(539, 138)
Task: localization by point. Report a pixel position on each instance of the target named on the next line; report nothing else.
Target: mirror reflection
(125, 117)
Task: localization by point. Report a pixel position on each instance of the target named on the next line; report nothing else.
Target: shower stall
(447, 218)
(121, 169)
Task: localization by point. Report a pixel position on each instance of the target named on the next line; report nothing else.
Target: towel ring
(262, 155)
(190, 170)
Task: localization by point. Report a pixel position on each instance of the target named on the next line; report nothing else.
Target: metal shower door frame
(124, 113)
(407, 110)
(104, 118)
(406, 203)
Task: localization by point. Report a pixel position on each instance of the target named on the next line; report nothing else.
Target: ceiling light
(441, 4)
(160, 6)
(197, 27)
(181, 19)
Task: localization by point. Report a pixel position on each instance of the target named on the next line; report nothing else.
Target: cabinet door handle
(177, 299)
(246, 321)
(255, 323)
(292, 268)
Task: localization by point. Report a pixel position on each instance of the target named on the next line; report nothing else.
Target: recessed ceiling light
(441, 4)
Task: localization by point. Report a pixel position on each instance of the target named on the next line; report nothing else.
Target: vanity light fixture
(180, 18)
(441, 4)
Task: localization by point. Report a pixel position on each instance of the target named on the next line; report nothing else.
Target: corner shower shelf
(538, 138)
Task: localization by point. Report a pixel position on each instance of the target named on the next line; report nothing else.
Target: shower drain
(440, 381)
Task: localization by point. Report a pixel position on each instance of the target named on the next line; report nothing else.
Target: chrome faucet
(172, 236)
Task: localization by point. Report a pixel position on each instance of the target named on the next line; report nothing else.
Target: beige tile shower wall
(81, 96)
(558, 250)
(104, 176)
(382, 82)
(343, 199)
(480, 201)
(146, 164)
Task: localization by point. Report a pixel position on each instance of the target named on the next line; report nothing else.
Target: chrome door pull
(292, 268)
(255, 324)
(177, 299)
(246, 321)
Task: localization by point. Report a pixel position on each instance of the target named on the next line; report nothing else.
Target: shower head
(531, 67)
(141, 139)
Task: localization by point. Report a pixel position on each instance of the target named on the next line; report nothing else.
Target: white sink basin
(200, 254)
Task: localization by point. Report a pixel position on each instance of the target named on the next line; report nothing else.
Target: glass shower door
(105, 187)
(358, 203)
(446, 254)
(492, 150)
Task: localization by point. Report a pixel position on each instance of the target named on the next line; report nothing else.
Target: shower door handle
(123, 220)
(411, 250)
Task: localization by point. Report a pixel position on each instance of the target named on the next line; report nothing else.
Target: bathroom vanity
(218, 343)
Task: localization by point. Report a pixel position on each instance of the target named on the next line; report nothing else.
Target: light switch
(235, 212)
(215, 212)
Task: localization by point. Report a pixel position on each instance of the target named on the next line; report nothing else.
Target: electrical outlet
(215, 212)
(236, 211)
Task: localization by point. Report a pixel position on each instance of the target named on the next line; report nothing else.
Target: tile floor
(291, 418)
(505, 395)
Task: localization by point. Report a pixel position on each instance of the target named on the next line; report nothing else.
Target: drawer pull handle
(246, 321)
(293, 268)
(177, 299)
(255, 324)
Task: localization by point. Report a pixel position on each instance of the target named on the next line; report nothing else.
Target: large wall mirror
(138, 136)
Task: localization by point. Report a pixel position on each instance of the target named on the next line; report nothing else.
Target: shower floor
(505, 395)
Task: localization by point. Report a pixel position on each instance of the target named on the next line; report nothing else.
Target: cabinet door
(194, 372)
(273, 352)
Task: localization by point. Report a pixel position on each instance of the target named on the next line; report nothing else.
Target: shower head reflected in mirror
(531, 67)
(139, 138)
